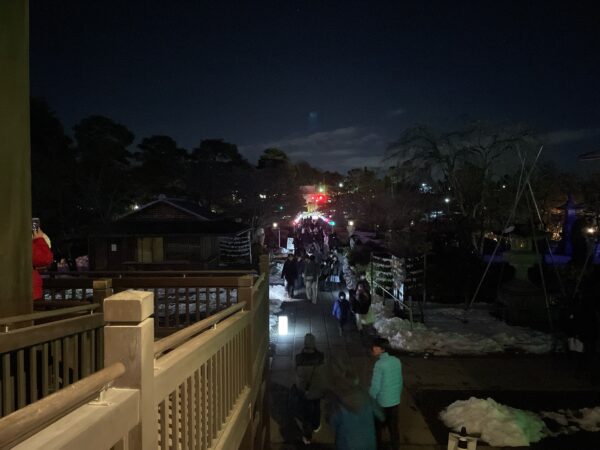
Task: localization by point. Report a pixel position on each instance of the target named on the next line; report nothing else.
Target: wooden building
(170, 234)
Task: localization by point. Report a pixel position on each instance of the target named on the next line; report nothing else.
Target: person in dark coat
(290, 273)
(341, 310)
(311, 385)
(300, 267)
(353, 412)
(361, 306)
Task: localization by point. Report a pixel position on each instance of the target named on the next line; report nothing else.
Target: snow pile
(569, 421)
(450, 331)
(497, 424)
(277, 292)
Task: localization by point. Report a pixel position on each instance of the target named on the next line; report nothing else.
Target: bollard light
(461, 441)
(282, 325)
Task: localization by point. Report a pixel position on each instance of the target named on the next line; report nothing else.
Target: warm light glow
(351, 223)
(591, 230)
(341, 185)
(321, 189)
(282, 325)
(136, 206)
(275, 224)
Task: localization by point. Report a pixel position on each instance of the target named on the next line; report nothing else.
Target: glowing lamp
(282, 325)
(351, 223)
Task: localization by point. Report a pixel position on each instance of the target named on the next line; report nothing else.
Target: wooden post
(244, 294)
(264, 265)
(102, 289)
(129, 338)
(15, 167)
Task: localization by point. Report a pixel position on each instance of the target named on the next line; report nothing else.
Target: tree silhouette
(162, 167)
(104, 159)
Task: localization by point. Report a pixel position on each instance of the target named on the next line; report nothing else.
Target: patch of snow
(503, 426)
(497, 424)
(450, 331)
(569, 421)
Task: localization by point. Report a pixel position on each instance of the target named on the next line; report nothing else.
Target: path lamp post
(276, 226)
(447, 202)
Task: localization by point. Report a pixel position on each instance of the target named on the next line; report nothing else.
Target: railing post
(129, 338)
(102, 289)
(264, 265)
(244, 292)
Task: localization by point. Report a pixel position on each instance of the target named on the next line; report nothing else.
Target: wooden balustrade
(38, 360)
(20, 424)
(205, 389)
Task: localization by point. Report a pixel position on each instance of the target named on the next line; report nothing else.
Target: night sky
(330, 82)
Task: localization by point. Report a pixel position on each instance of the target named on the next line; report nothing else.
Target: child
(341, 309)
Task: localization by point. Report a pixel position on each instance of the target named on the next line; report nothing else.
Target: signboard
(290, 244)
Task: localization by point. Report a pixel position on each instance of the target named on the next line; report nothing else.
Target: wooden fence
(201, 387)
(37, 360)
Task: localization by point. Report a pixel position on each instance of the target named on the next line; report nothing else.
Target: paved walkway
(304, 317)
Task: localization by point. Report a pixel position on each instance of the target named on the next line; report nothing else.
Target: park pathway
(304, 317)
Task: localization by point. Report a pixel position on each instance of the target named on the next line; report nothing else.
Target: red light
(320, 198)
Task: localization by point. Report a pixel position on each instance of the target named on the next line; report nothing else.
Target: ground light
(282, 325)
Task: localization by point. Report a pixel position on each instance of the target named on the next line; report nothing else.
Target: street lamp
(351, 223)
(276, 226)
(341, 185)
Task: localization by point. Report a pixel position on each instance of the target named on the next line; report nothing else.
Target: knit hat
(310, 342)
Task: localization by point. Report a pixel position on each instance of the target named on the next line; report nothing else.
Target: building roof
(174, 227)
(191, 210)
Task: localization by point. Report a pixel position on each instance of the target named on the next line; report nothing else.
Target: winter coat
(41, 256)
(354, 422)
(310, 370)
(340, 310)
(334, 268)
(290, 270)
(350, 278)
(362, 303)
(311, 270)
(386, 382)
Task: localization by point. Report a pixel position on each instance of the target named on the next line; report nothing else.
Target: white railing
(202, 388)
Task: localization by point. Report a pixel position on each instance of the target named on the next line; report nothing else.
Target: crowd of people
(357, 415)
(316, 266)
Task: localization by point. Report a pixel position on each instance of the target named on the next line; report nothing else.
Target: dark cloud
(339, 149)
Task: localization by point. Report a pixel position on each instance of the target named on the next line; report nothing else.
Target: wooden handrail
(141, 273)
(21, 424)
(183, 335)
(38, 334)
(47, 314)
(182, 282)
(257, 284)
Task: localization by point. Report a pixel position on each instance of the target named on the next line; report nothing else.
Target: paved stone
(302, 318)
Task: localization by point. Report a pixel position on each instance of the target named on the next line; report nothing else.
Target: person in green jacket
(386, 388)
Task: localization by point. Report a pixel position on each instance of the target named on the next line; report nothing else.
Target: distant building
(170, 234)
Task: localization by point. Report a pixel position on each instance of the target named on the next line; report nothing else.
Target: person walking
(353, 412)
(310, 385)
(311, 279)
(386, 389)
(350, 279)
(290, 273)
(341, 310)
(362, 307)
